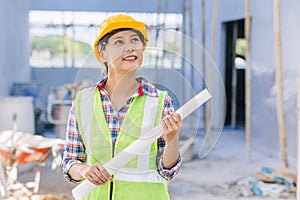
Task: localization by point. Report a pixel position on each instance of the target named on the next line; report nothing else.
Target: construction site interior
(243, 143)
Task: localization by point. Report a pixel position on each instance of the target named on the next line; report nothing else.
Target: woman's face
(123, 51)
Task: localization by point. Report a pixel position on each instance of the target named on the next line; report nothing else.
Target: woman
(104, 120)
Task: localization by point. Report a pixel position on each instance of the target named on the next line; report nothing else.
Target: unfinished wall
(264, 125)
(14, 44)
(264, 115)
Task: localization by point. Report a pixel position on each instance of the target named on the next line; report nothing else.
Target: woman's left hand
(171, 123)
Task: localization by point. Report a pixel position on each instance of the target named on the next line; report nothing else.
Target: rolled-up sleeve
(169, 174)
(74, 149)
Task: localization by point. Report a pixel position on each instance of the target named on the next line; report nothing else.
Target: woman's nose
(130, 48)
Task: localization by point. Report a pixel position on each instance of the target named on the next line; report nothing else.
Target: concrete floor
(212, 178)
(220, 175)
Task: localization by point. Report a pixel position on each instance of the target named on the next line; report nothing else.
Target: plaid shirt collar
(144, 88)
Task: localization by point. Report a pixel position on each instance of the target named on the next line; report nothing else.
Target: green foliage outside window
(60, 45)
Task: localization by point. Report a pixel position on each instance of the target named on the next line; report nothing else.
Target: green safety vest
(139, 178)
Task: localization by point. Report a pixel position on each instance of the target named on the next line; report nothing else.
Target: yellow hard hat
(117, 22)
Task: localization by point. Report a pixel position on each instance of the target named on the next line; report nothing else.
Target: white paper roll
(121, 159)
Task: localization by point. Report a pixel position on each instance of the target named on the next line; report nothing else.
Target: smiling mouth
(130, 58)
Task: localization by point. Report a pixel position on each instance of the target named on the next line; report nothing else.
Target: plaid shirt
(74, 147)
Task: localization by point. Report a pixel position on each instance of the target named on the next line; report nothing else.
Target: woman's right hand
(95, 173)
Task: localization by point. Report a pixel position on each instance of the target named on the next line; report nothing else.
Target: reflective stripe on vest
(128, 174)
(86, 115)
(148, 121)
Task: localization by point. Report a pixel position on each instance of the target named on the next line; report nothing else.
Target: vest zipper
(111, 190)
(111, 183)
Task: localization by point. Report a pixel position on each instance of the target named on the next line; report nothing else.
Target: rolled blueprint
(121, 159)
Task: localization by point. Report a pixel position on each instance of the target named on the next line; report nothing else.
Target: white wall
(264, 90)
(14, 44)
(264, 118)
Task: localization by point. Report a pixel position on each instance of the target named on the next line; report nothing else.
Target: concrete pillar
(14, 43)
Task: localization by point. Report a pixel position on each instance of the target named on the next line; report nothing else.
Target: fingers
(171, 123)
(97, 174)
(172, 120)
(105, 173)
(177, 118)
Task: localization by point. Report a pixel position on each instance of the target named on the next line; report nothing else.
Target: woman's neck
(120, 88)
(120, 82)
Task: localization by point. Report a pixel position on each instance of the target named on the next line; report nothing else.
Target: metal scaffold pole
(203, 46)
(191, 42)
(183, 67)
(210, 71)
(191, 53)
(156, 39)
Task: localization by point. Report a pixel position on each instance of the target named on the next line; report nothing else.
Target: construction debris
(281, 177)
(268, 183)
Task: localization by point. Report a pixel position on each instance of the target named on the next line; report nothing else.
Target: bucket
(62, 114)
(23, 108)
(60, 109)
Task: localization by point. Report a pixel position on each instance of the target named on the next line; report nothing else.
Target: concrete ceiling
(142, 6)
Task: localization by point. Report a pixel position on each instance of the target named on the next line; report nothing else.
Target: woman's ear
(102, 56)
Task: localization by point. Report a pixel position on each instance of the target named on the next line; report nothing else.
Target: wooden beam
(248, 80)
(279, 84)
(298, 144)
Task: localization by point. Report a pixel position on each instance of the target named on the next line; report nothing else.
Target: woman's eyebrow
(133, 35)
(120, 37)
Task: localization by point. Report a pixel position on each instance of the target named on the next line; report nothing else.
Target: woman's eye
(118, 42)
(135, 40)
